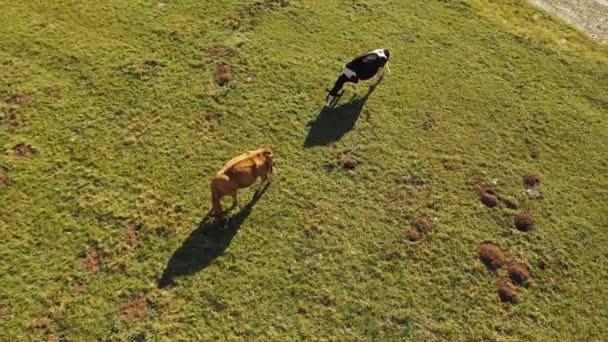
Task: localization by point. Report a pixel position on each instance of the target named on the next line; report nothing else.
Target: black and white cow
(363, 67)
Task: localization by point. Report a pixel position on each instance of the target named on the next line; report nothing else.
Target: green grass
(322, 254)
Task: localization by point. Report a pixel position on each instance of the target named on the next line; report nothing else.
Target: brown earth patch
(4, 311)
(518, 271)
(543, 263)
(413, 235)
(52, 338)
(524, 221)
(491, 198)
(211, 118)
(531, 180)
(488, 196)
(43, 322)
(151, 63)
(93, 261)
(507, 291)
(132, 237)
(223, 74)
(24, 150)
(3, 178)
(21, 98)
(348, 161)
(424, 224)
(133, 309)
(491, 255)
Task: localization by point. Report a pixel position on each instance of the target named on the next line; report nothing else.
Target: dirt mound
(133, 309)
(132, 237)
(524, 221)
(424, 224)
(488, 196)
(531, 180)
(92, 262)
(223, 74)
(3, 178)
(507, 291)
(348, 161)
(518, 271)
(24, 150)
(491, 255)
(413, 235)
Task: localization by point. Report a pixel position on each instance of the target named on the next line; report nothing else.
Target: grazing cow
(363, 67)
(239, 173)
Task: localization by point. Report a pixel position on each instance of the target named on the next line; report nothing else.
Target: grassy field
(111, 127)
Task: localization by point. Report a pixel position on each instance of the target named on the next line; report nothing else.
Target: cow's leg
(263, 180)
(380, 75)
(235, 200)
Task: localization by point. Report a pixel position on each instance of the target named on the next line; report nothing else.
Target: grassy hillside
(111, 127)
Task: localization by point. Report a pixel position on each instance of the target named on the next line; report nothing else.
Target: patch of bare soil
(524, 221)
(507, 291)
(211, 118)
(3, 178)
(591, 16)
(4, 311)
(133, 309)
(491, 255)
(43, 322)
(52, 338)
(491, 198)
(424, 224)
(93, 261)
(348, 161)
(488, 196)
(223, 74)
(24, 150)
(132, 237)
(21, 98)
(518, 272)
(413, 235)
(151, 64)
(531, 180)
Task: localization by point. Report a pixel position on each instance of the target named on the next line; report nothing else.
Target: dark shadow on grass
(205, 244)
(332, 124)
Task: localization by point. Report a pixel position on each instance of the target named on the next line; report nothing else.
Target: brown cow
(239, 173)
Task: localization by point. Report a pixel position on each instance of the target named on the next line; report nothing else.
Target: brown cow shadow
(207, 242)
(331, 124)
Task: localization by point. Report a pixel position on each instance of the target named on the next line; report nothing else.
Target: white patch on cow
(348, 73)
(379, 52)
(330, 100)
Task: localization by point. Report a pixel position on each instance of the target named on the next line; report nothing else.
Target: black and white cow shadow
(331, 124)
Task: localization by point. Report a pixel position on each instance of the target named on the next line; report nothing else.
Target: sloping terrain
(590, 15)
(480, 157)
